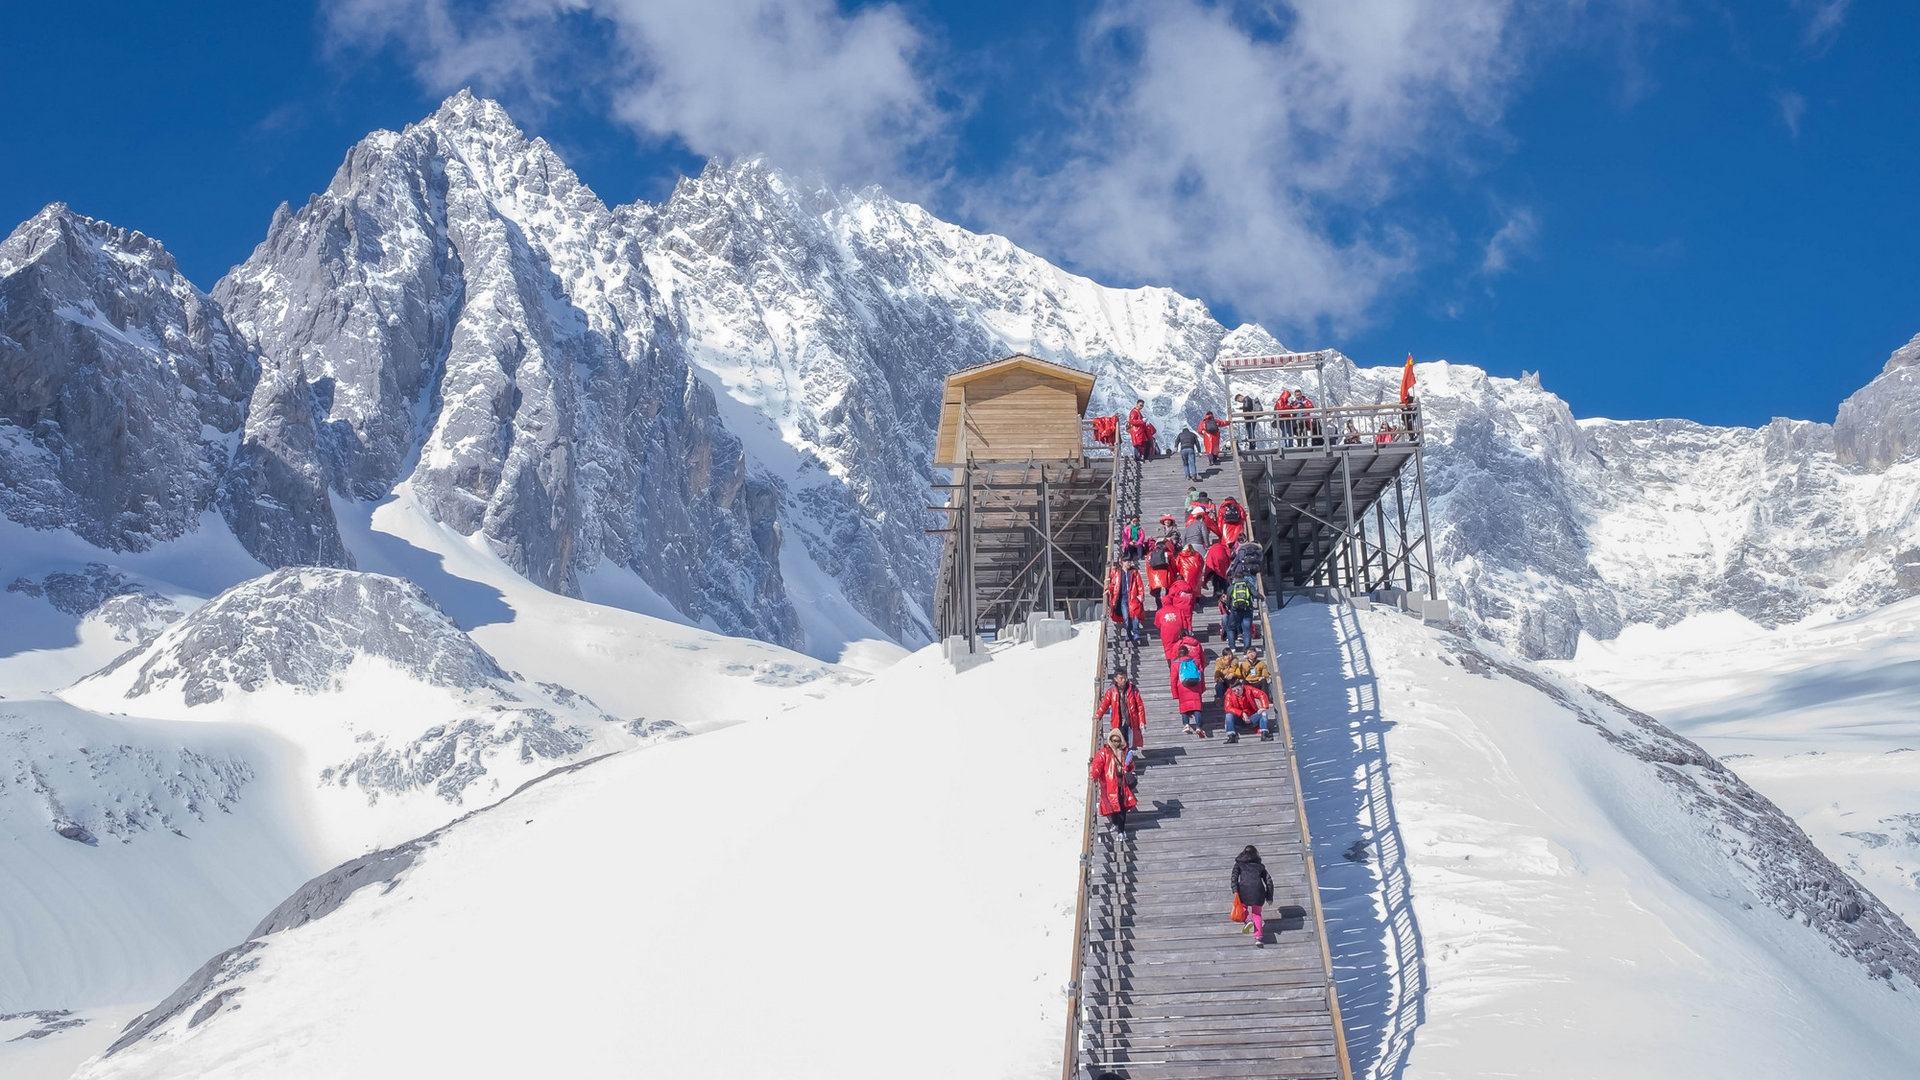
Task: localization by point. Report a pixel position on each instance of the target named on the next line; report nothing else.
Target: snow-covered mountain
(468, 319)
(122, 387)
(731, 395)
(369, 677)
(1550, 529)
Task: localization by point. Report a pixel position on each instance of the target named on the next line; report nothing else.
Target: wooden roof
(1082, 381)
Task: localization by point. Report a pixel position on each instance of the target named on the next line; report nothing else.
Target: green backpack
(1240, 596)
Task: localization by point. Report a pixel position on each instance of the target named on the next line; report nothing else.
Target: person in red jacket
(1233, 521)
(1159, 567)
(1126, 597)
(1112, 771)
(1188, 566)
(1181, 596)
(1203, 505)
(1122, 699)
(1245, 701)
(1210, 437)
(1172, 621)
(1219, 556)
(1186, 693)
(1139, 433)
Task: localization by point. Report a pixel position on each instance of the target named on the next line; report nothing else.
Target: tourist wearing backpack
(1122, 701)
(1112, 771)
(1245, 701)
(1233, 521)
(1242, 600)
(1160, 567)
(1247, 560)
(1186, 671)
(1210, 437)
(1252, 886)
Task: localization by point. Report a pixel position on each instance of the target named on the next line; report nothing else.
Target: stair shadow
(1340, 737)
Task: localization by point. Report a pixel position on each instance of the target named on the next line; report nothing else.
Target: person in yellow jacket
(1253, 668)
(1226, 669)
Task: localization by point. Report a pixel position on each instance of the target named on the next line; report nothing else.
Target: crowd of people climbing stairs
(1158, 577)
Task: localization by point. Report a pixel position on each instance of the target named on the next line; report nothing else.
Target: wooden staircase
(1168, 986)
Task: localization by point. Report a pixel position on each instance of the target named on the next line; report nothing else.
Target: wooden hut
(1018, 408)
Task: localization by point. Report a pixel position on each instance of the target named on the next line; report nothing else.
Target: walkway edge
(1278, 703)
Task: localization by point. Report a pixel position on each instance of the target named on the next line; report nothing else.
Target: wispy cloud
(844, 95)
(1793, 109)
(1513, 239)
(1824, 20)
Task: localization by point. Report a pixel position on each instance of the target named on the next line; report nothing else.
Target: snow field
(873, 886)
(1537, 901)
(1823, 717)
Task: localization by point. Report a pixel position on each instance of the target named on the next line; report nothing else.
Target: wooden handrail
(1070, 1057)
(1277, 692)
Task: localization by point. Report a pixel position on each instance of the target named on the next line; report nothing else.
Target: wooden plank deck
(1171, 989)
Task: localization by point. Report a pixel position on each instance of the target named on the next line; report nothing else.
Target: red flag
(1406, 381)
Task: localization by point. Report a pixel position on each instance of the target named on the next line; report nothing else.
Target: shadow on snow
(1378, 956)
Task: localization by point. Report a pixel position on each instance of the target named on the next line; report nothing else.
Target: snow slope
(197, 819)
(804, 898)
(1824, 718)
(1526, 879)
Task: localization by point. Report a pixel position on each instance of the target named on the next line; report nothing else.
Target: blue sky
(1694, 209)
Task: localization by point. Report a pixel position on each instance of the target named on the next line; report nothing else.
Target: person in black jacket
(1255, 888)
(1189, 445)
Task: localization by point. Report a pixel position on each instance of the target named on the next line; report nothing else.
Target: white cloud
(815, 89)
(1513, 239)
(1824, 21)
(1244, 151)
(1793, 109)
(1248, 156)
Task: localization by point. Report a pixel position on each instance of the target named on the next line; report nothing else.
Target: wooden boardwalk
(1169, 987)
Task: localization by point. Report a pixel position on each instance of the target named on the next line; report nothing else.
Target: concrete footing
(1048, 630)
(957, 656)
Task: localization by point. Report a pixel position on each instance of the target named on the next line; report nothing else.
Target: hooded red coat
(1171, 620)
(1187, 567)
(1106, 770)
(1219, 557)
(1187, 697)
(1210, 434)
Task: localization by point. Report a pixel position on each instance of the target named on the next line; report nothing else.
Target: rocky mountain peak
(1879, 425)
(82, 239)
